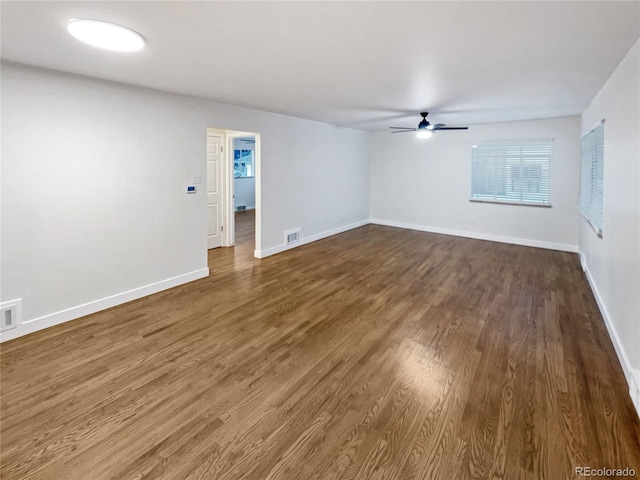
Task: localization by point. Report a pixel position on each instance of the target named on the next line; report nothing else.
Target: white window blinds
(511, 173)
(591, 178)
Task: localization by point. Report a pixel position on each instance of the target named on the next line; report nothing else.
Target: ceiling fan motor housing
(424, 123)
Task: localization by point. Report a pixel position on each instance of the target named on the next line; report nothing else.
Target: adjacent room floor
(376, 353)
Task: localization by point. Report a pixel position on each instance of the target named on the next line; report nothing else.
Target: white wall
(425, 184)
(613, 261)
(94, 210)
(245, 192)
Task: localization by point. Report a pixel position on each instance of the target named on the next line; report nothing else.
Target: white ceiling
(365, 65)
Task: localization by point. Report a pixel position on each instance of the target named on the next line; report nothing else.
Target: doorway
(244, 192)
(233, 189)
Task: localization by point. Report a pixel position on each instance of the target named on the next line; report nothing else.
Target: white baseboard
(631, 374)
(634, 389)
(583, 261)
(46, 321)
(311, 238)
(564, 247)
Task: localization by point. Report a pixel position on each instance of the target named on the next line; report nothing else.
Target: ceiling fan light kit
(425, 129)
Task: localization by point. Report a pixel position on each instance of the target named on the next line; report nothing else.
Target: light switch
(196, 178)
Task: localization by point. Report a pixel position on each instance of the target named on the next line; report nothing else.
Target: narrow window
(591, 178)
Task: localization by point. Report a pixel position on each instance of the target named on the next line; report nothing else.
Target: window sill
(504, 202)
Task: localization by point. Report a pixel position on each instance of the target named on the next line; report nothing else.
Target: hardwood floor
(245, 229)
(376, 353)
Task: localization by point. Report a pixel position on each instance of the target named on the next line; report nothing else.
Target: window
(242, 163)
(511, 173)
(591, 178)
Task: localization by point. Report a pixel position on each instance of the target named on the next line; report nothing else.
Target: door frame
(229, 212)
(228, 215)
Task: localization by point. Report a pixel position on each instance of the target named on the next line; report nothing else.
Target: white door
(214, 190)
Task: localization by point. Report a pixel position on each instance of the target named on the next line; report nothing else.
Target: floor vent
(240, 208)
(292, 236)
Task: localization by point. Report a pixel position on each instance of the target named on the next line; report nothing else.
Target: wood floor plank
(379, 353)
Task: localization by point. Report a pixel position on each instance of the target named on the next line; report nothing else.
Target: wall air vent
(292, 236)
(10, 314)
(241, 208)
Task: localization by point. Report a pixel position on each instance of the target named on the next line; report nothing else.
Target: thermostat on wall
(191, 189)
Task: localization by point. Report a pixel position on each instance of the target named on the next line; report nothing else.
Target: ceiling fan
(424, 128)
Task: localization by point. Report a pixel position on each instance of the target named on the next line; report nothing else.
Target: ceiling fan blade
(451, 128)
(436, 126)
(404, 131)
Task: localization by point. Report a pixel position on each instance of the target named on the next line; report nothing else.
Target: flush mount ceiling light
(105, 35)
